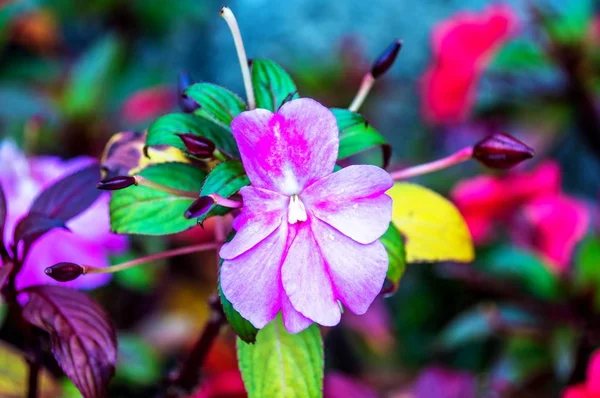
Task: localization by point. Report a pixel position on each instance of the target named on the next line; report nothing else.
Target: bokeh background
(73, 73)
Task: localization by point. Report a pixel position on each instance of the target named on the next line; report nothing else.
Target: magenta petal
(357, 270)
(353, 201)
(306, 281)
(559, 223)
(293, 321)
(262, 212)
(290, 149)
(252, 281)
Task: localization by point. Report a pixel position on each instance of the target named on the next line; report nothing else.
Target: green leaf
(394, 245)
(240, 325)
(225, 179)
(90, 77)
(138, 361)
(563, 345)
(271, 84)
(573, 22)
(587, 271)
(522, 358)
(524, 267)
(357, 135)
(144, 210)
(216, 103)
(165, 129)
(281, 364)
(520, 54)
(478, 324)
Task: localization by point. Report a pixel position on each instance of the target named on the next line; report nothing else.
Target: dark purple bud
(115, 183)
(501, 151)
(201, 206)
(64, 272)
(186, 104)
(386, 59)
(197, 145)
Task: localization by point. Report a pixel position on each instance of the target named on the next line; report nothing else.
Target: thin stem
(365, 87)
(241, 53)
(152, 257)
(139, 180)
(221, 201)
(456, 158)
(32, 383)
(188, 377)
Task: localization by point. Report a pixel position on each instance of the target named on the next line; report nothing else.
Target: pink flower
(554, 221)
(336, 384)
(462, 48)
(307, 238)
(591, 387)
(147, 104)
(444, 383)
(89, 241)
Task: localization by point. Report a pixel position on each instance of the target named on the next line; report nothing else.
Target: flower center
(296, 210)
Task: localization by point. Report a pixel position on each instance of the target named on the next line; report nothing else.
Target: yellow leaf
(433, 227)
(14, 372)
(124, 154)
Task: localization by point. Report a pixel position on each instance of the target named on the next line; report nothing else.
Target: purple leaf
(69, 196)
(83, 339)
(34, 225)
(2, 221)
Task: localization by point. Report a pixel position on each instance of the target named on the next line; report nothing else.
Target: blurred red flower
(462, 48)
(591, 387)
(525, 201)
(148, 104)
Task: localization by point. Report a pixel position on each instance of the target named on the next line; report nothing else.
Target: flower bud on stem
(116, 183)
(501, 151)
(228, 16)
(65, 272)
(186, 104)
(198, 146)
(380, 67)
(457, 157)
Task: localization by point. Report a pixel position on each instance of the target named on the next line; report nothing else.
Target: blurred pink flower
(444, 383)
(307, 238)
(591, 387)
(462, 48)
(374, 326)
(336, 385)
(146, 104)
(89, 242)
(555, 222)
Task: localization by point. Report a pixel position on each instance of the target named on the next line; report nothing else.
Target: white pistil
(365, 87)
(296, 210)
(241, 52)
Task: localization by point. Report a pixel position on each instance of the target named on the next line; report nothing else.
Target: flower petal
(593, 373)
(293, 320)
(353, 201)
(252, 281)
(559, 223)
(262, 212)
(290, 149)
(306, 281)
(357, 271)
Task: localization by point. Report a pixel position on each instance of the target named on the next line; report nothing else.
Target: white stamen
(241, 52)
(296, 210)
